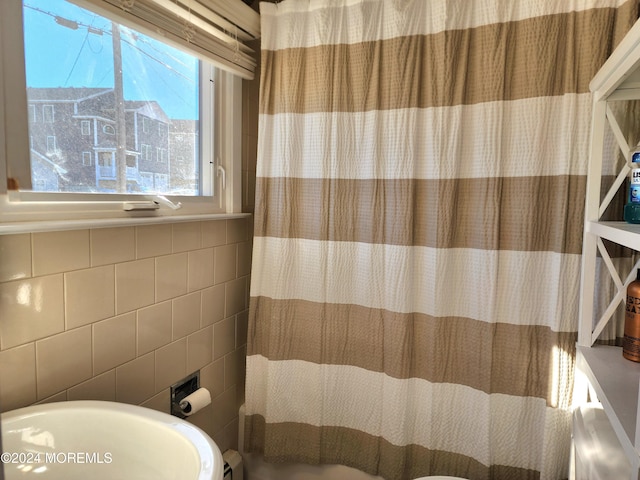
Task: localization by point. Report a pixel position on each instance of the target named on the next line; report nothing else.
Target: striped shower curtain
(418, 228)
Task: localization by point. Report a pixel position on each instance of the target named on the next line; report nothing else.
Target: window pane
(80, 109)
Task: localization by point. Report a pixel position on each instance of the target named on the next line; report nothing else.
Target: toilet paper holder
(182, 389)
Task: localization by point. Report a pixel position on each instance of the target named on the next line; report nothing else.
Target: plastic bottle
(631, 340)
(632, 208)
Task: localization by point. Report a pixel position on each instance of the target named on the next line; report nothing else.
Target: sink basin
(98, 440)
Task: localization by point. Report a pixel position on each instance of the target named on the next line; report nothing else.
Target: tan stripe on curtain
(489, 213)
(498, 358)
(506, 61)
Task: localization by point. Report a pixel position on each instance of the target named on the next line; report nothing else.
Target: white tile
(18, 374)
(225, 258)
(236, 298)
(134, 285)
(153, 240)
(186, 315)
(89, 295)
(63, 360)
(55, 252)
(30, 309)
(199, 349)
(170, 364)
(237, 230)
(136, 379)
(171, 276)
(114, 342)
(186, 236)
(213, 304)
(224, 337)
(15, 257)
(214, 233)
(101, 387)
(200, 269)
(112, 245)
(154, 327)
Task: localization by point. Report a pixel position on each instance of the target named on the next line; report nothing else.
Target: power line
(75, 25)
(75, 62)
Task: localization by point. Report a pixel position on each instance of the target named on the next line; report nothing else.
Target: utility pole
(121, 130)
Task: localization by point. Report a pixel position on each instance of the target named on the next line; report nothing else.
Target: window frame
(223, 102)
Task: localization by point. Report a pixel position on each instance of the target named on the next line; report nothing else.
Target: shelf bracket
(615, 187)
(613, 272)
(625, 148)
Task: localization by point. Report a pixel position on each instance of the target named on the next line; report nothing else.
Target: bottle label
(631, 339)
(634, 188)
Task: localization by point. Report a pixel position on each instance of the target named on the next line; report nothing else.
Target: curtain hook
(188, 30)
(236, 50)
(127, 5)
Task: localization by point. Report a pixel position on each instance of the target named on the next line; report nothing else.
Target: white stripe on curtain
(449, 417)
(485, 285)
(302, 31)
(511, 128)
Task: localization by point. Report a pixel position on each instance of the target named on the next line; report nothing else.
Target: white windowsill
(59, 225)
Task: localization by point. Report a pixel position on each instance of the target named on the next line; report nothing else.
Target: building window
(146, 181)
(51, 144)
(145, 124)
(161, 155)
(106, 165)
(87, 159)
(109, 130)
(85, 127)
(32, 114)
(47, 114)
(146, 152)
(161, 182)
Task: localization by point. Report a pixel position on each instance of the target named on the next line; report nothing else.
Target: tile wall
(122, 313)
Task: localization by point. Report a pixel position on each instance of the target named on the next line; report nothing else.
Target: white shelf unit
(615, 380)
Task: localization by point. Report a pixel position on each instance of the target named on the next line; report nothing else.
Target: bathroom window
(69, 59)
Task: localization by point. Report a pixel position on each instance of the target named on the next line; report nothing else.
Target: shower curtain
(418, 228)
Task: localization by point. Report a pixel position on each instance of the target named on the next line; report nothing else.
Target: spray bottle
(631, 340)
(632, 208)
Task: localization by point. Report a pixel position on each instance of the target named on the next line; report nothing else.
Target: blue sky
(59, 56)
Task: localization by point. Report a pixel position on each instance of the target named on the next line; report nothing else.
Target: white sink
(98, 440)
